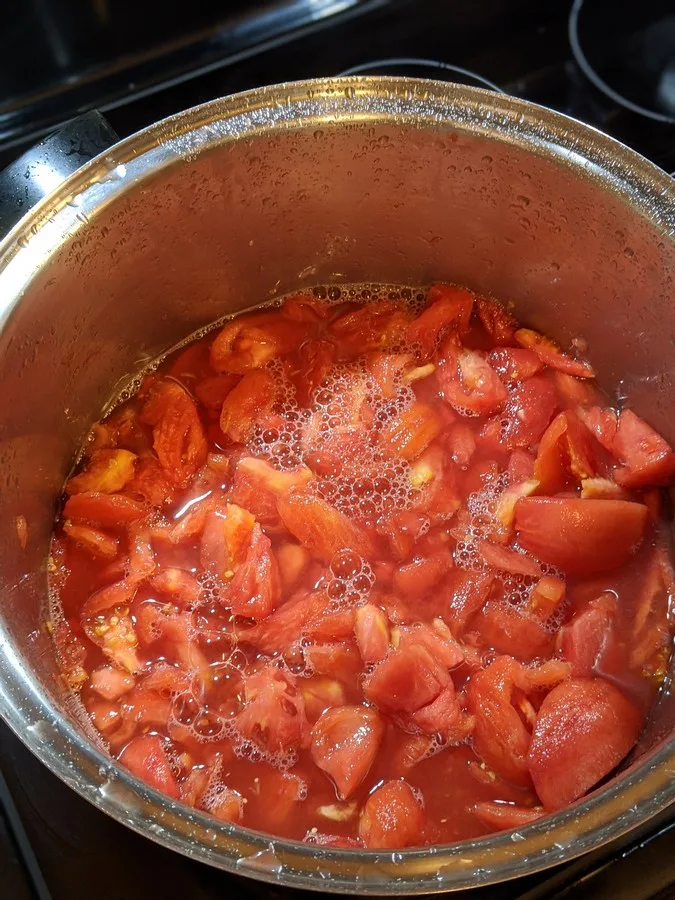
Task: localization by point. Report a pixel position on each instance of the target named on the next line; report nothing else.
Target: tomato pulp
(367, 568)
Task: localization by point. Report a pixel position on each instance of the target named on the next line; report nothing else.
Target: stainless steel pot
(348, 180)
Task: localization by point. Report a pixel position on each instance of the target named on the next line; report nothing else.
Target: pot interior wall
(257, 217)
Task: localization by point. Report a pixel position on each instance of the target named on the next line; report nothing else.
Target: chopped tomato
(150, 483)
(304, 308)
(255, 589)
(584, 728)
(258, 485)
(345, 741)
(580, 536)
(273, 715)
(321, 528)
(95, 542)
(182, 587)
(461, 444)
(407, 680)
(211, 392)
(589, 638)
(247, 404)
(647, 459)
(527, 412)
(521, 466)
(146, 758)
(506, 560)
(293, 561)
(551, 355)
(226, 805)
(321, 693)
(392, 817)
(651, 638)
(468, 381)
(499, 324)
(501, 815)
(345, 542)
(251, 341)
(600, 422)
(500, 737)
(371, 630)
(316, 360)
(565, 447)
(513, 364)
(448, 306)
(387, 369)
(422, 574)
(377, 326)
(111, 683)
(507, 629)
(225, 540)
(107, 510)
(468, 592)
(177, 432)
(107, 471)
(411, 432)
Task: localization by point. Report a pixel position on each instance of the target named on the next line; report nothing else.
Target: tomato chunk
(647, 458)
(345, 741)
(580, 536)
(146, 758)
(448, 306)
(246, 405)
(273, 715)
(584, 728)
(177, 432)
(498, 323)
(551, 355)
(468, 381)
(321, 528)
(392, 817)
(255, 589)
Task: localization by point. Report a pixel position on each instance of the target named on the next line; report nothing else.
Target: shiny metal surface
(346, 180)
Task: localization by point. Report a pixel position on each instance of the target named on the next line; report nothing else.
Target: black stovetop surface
(53, 844)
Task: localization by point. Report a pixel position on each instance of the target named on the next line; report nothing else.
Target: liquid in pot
(372, 566)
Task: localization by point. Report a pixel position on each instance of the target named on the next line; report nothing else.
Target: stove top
(139, 63)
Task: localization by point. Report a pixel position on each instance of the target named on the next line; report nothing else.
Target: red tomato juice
(369, 567)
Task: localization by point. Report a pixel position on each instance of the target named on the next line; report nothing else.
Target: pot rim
(643, 790)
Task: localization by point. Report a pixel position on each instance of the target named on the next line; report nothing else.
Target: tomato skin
(345, 741)
(146, 758)
(246, 404)
(584, 728)
(392, 817)
(500, 815)
(580, 536)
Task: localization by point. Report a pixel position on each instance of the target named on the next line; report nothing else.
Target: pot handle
(42, 168)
